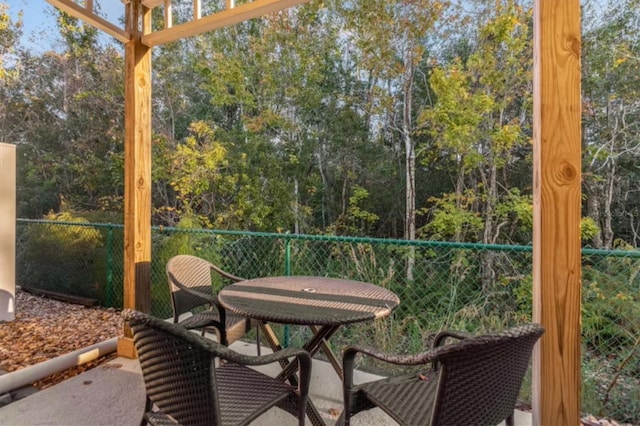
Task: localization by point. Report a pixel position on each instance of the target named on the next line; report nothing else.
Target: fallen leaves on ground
(594, 421)
(45, 328)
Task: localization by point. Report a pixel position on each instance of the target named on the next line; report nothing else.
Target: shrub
(67, 259)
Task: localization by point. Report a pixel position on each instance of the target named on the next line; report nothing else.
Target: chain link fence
(441, 285)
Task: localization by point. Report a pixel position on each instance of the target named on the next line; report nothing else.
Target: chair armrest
(443, 335)
(233, 356)
(227, 274)
(415, 359)
(209, 297)
(349, 354)
(158, 418)
(302, 356)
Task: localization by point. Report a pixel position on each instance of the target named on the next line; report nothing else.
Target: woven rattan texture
(406, 398)
(191, 284)
(308, 300)
(180, 377)
(160, 419)
(474, 381)
(482, 379)
(243, 391)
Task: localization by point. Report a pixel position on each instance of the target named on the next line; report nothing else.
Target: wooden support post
(137, 217)
(168, 14)
(197, 9)
(7, 232)
(557, 203)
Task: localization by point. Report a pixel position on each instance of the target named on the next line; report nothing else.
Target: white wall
(7, 231)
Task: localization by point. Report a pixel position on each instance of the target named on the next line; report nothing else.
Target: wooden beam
(150, 4)
(168, 14)
(137, 168)
(87, 15)
(557, 205)
(218, 20)
(197, 9)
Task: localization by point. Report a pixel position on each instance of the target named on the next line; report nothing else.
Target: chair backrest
(191, 272)
(480, 377)
(178, 371)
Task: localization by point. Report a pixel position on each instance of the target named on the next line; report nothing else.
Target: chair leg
(301, 412)
(258, 340)
(223, 338)
(509, 420)
(148, 406)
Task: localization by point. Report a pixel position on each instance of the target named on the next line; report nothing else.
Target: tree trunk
(593, 210)
(410, 160)
(296, 207)
(459, 190)
(607, 218)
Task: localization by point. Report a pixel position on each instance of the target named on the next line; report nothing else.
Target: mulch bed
(45, 328)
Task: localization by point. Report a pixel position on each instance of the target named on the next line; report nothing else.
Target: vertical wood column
(557, 204)
(7, 232)
(137, 165)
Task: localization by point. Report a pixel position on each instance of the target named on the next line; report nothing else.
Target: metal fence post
(287, 272)
(109, 284)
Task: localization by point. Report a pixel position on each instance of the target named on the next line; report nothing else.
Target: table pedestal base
(316, 343)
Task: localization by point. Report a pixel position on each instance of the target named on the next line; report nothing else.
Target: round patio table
(324, 304)
(308, 300)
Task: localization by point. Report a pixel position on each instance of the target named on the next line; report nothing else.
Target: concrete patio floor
(113, 394)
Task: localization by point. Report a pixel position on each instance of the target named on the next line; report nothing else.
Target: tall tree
(277, 82)
(611, 118)
(389, 37)
(10, 88)
(71, 138)
(481, 122)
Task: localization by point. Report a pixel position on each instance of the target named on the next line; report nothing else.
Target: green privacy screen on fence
(441, 285)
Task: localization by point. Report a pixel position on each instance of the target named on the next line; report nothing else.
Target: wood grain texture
(126, 348)
(137, 232)
(7, 232)
(86, 14)
(557, 205)
(221, 19)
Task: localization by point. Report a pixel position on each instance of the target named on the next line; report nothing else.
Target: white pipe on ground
(28, 375)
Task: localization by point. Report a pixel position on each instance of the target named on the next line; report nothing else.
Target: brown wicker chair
(184, 386)
(191, 284)
(474, 381)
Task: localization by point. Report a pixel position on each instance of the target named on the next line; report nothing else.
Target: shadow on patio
(113, 394)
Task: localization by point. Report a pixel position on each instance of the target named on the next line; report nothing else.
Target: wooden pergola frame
(556, 169)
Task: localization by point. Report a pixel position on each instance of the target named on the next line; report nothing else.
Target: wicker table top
(306, 300)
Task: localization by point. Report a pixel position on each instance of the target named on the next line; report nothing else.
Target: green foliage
(588, 228)
(197, 167)
(68, 259)
(356, 220)
(516, 210)
(10, 32)
(308, 120)
(453, 121)
(611, 119)
(476, 123)
(610, 330)
(10, 76)
(452, 217)
(447, 291)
